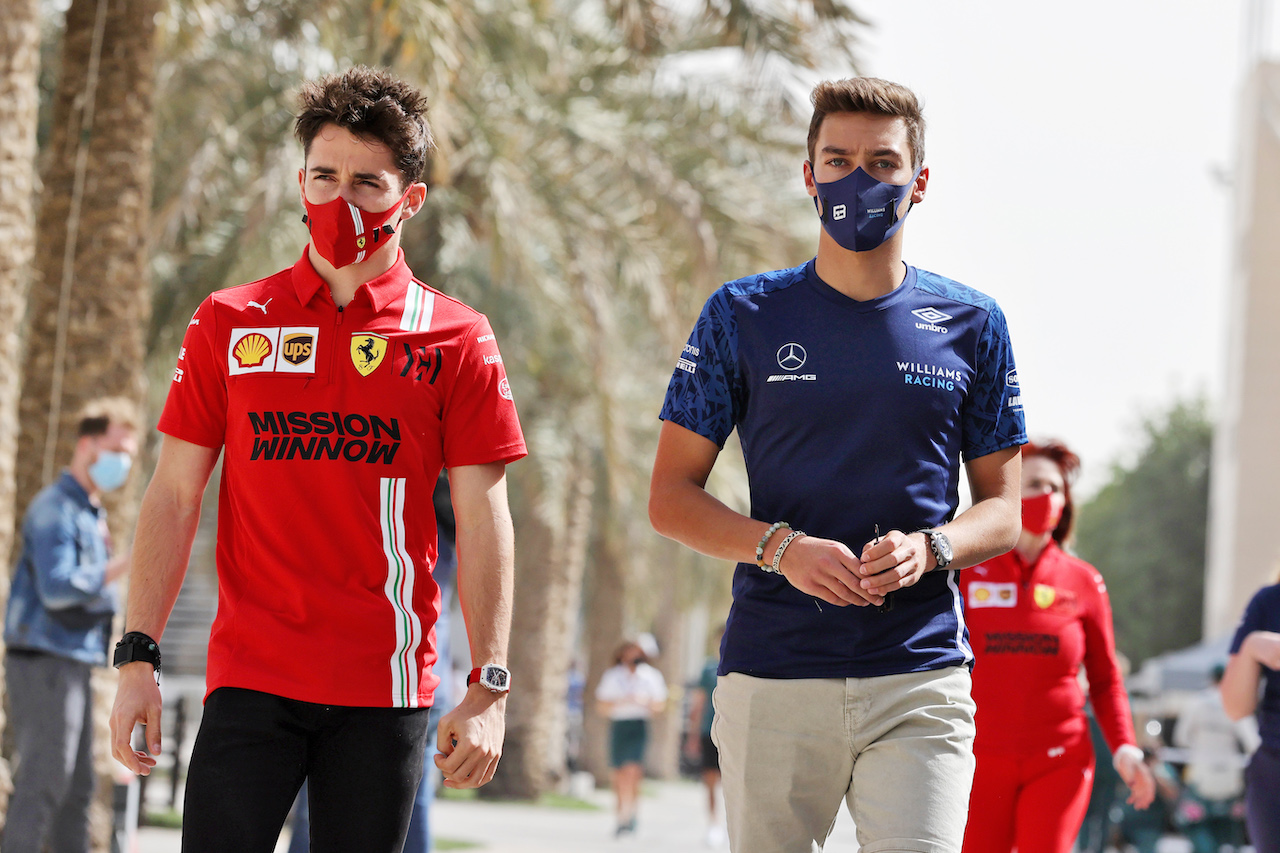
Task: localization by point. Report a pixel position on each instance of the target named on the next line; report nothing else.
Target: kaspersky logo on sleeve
(278, 349)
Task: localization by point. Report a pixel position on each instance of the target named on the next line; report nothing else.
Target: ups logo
(297, 347)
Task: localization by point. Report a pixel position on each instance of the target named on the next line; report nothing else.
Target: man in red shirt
(338, 389)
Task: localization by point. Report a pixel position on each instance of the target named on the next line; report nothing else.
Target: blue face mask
(111, 470)
(859, 212)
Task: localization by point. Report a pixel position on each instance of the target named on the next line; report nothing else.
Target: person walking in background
(337, 390)
(1252, 666)
(57, 627)
(1219, 750)
(701, 746)
(856, 384)
(629, 693)
(1035, 615)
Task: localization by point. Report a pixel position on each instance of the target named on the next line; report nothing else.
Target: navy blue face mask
(858, 211)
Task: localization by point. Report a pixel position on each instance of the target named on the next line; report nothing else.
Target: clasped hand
(831, 572)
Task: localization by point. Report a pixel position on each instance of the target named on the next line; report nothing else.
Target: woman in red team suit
(1034, 615)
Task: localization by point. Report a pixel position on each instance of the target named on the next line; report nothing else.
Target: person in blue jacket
(57, 628)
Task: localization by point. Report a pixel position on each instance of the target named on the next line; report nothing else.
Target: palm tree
(19, 66)
(90, 298)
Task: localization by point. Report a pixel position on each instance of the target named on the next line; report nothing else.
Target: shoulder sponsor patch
(274, 349)
(987, 594)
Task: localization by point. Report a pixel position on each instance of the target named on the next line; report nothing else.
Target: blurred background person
(629, 694)
(1255, 657)
(1035, 615)
(700, 746)
(1218, 750)
(1143, 828)
(57, 627)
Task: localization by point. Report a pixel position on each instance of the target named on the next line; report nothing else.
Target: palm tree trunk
(90, 303)
(19, 66)
(550, 563)
(90, 300)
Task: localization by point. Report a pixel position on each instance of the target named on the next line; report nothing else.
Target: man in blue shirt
(57, 628)
(857, 384)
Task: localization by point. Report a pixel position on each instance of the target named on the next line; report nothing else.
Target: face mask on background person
(110, 470)
(858, 211)
(1041, 513)
(343, 233)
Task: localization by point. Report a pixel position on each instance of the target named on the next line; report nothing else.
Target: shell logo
(981, 594)
(252, 350)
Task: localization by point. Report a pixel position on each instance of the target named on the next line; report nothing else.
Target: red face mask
(344, 234)
(1042, 513)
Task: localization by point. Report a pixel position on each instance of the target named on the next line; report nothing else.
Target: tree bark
(549, 568)
(90, 302)
(19, 100)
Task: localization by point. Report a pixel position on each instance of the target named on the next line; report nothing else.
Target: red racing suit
(1031, 627)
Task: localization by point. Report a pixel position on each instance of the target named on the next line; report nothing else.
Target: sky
(1080, 158)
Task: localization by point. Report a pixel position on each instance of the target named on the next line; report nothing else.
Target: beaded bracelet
(777, 557)
(764, 540)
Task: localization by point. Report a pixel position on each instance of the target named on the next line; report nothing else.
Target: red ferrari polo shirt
(335, 423)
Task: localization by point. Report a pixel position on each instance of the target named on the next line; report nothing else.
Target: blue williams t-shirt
(850, 415)
(1263, 614)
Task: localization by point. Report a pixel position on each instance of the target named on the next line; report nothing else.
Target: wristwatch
(940, 545)
(135, 646)
(492, 677)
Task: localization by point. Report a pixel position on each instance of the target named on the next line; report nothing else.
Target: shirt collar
(381, 290)
(71, 487)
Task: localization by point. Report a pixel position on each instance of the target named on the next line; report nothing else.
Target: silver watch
(940, 545)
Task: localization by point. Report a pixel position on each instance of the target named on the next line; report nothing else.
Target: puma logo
(263, 306)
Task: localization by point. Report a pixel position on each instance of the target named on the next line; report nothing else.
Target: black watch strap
(137, 646)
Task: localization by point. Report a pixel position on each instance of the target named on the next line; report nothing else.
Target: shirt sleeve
(992, 418)
(480, 421)
(657, 684)
(196, 408)
(610, 687)
(1254, 619)
(1106, 687)
(65, 576)
(702, 395)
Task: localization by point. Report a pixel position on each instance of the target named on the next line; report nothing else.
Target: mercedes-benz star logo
(791, 356)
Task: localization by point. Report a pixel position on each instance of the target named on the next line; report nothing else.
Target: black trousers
(253, 750)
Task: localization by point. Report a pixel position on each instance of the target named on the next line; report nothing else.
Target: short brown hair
(372, 104)
(869, 95)
(98, 415)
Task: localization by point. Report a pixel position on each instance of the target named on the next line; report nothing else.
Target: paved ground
(672, 820)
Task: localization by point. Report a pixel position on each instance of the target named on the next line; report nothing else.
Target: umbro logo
(932, 315)
(933, 318)
(791, 356)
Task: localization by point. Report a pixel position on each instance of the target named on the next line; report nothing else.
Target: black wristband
(137, 646)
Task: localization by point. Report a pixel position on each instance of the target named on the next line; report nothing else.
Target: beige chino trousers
(897, 748)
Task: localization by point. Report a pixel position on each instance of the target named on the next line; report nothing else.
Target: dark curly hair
(373, 104)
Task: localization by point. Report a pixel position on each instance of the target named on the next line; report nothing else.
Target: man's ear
(413, 203)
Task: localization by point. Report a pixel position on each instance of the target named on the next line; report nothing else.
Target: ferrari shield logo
(1044, 596)
(367, 350)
